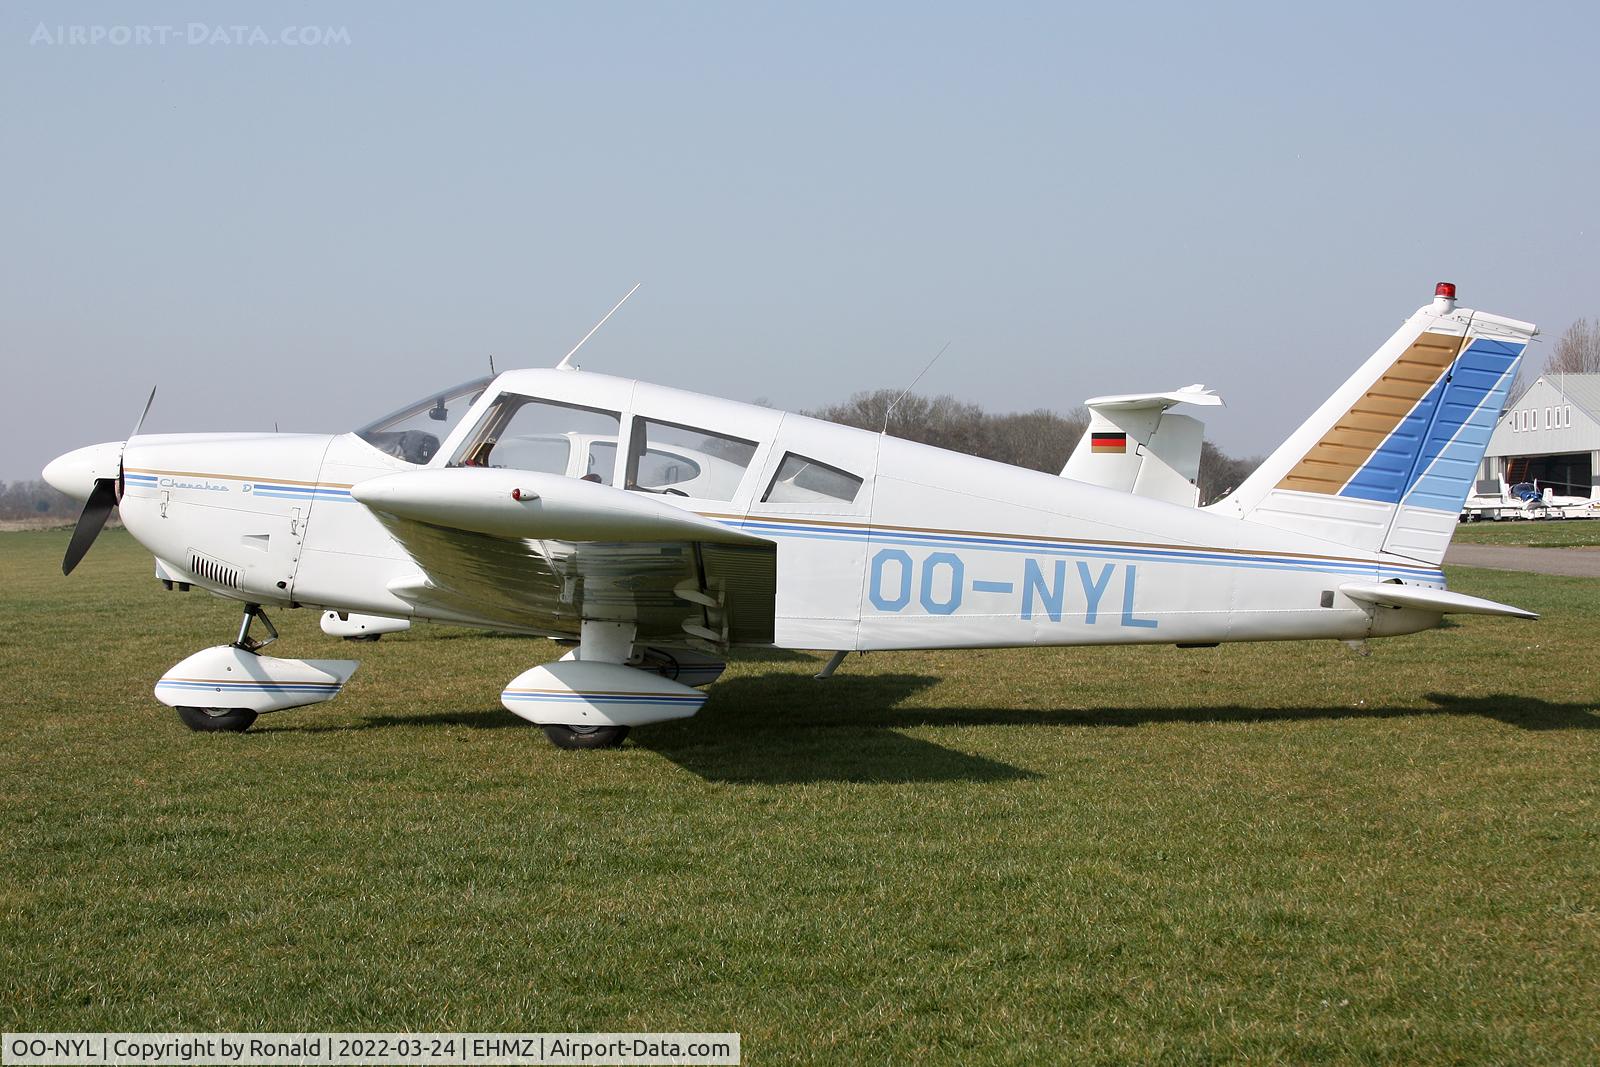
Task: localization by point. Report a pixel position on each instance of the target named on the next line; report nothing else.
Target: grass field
(1254, 853)
(1542, 533)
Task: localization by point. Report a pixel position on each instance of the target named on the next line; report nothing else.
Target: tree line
(1039, 440)
(35, 499)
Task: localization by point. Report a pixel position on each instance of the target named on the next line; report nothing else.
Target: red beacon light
(1446, 290)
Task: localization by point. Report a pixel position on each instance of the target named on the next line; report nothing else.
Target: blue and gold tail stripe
(1432, 456)
(1375, 417)
(1477, 391)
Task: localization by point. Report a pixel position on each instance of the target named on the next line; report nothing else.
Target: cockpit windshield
(415, 432)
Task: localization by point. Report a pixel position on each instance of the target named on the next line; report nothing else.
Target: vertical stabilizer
(1387, 462)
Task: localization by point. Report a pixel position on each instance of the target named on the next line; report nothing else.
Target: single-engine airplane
(659, 528)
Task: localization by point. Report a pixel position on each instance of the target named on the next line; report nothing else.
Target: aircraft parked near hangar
(660, 528)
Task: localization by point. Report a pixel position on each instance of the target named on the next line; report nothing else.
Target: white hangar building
(1550, 436)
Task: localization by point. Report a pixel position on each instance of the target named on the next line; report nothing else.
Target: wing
(543, 552)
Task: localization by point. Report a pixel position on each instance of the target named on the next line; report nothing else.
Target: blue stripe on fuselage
(1122, 553)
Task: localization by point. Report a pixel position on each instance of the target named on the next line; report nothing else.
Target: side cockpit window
(525, 433)
(806, 481)
(686, 461)
(415, 432)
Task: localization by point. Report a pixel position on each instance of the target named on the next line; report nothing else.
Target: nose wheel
(232, 720)
(585, 736)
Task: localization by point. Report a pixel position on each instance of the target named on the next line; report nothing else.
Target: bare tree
(1039, 439)
(1220, 473)
(1578, 350)
(943, 421)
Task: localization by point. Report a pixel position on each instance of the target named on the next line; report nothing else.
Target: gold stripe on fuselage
(1172, 546)
(237, 478)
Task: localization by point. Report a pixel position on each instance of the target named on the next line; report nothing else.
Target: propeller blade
(140, 424)
(102, 498)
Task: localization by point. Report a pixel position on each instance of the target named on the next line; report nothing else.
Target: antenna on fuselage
(566, 360)
(890, 409)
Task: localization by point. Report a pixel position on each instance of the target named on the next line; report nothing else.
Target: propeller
(140, 424)
(103, 499)
(96, 510)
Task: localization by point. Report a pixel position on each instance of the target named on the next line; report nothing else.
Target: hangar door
(1569, 474)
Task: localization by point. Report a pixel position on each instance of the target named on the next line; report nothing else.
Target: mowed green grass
(1535, 533)
(1276, 853)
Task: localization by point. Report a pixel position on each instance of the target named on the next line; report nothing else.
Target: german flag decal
(1108, 442)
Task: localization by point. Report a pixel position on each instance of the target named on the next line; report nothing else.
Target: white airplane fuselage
(658, 528)
(938, 549)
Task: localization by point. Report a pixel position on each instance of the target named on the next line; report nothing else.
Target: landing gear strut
(244, 641)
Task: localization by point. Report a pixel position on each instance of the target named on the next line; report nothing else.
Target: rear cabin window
(806, 481)
(686, 461)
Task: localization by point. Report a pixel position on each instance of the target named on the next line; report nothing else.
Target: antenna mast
(890, 409)
(566, 360)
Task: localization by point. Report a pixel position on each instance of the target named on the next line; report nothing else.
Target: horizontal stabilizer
(1189, 394)
(1134, 446)
(1393, 595)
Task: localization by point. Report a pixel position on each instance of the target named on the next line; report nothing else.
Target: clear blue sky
(817, 197)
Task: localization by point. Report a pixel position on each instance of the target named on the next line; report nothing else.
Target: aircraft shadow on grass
(784, 729)
(788, 729)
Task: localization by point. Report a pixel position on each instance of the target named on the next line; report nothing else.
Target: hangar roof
(1557, 413)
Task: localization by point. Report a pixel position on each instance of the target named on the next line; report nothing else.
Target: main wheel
(585, 736)
(217, 720)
